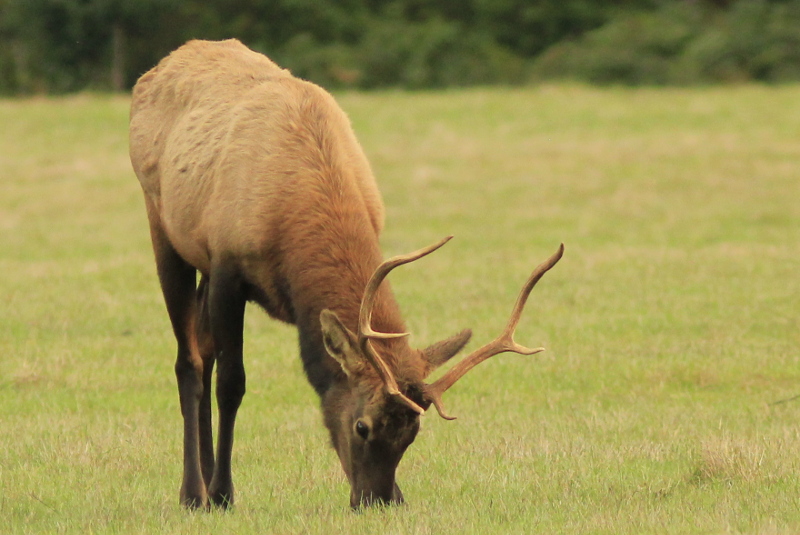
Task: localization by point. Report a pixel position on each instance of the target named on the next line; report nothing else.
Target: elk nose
(370, 499)
(397, 495)
(366, 500)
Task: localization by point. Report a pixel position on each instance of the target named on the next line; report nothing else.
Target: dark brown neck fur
(333, 253)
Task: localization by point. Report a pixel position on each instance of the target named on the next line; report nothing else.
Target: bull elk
(255, 179)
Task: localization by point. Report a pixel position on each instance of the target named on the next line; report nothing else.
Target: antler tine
(365, 331)
(504, 342)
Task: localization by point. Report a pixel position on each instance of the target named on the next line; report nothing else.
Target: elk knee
(189, 373)
(230, 387)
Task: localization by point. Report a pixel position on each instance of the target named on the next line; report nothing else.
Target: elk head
(375, 416)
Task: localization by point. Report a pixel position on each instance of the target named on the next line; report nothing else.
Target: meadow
(665, 402)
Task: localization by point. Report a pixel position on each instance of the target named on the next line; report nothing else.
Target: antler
(365, 332)
(504, 342)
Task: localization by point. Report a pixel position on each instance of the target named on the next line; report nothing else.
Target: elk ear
(340, 343)
(441, 352)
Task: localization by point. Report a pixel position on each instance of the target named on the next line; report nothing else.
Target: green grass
(671, 325)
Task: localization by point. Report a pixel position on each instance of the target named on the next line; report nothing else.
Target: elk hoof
(195, 501)
(220, 496)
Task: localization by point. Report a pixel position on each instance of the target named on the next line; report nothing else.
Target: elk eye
(362, 429)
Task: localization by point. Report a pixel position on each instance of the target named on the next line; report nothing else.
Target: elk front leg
(226, 303)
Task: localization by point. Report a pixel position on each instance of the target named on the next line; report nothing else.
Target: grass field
(671, 325)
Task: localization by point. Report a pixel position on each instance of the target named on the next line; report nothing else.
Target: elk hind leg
(226, 304)
(177, 279)
(205, 344)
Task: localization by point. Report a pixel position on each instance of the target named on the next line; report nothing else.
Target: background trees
(67, 45)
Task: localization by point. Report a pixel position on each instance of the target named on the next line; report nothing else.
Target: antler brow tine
(365, 331)
(504, 342)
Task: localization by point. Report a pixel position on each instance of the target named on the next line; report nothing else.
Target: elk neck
(334, 253)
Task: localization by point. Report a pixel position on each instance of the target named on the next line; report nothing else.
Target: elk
(254, 179)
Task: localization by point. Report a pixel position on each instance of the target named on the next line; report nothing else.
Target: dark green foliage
(67, 45)
(755, 40)
(433, 53)
(685, 43)
(63, 45)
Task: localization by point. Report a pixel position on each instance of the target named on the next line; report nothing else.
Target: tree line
(52, 46)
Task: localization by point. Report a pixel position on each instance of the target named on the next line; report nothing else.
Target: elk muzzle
(363, 498)
(372, 475)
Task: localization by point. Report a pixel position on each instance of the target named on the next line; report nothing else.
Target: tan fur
(239, 158)
(255, 178)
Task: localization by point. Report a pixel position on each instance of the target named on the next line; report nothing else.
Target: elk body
(254, 179)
